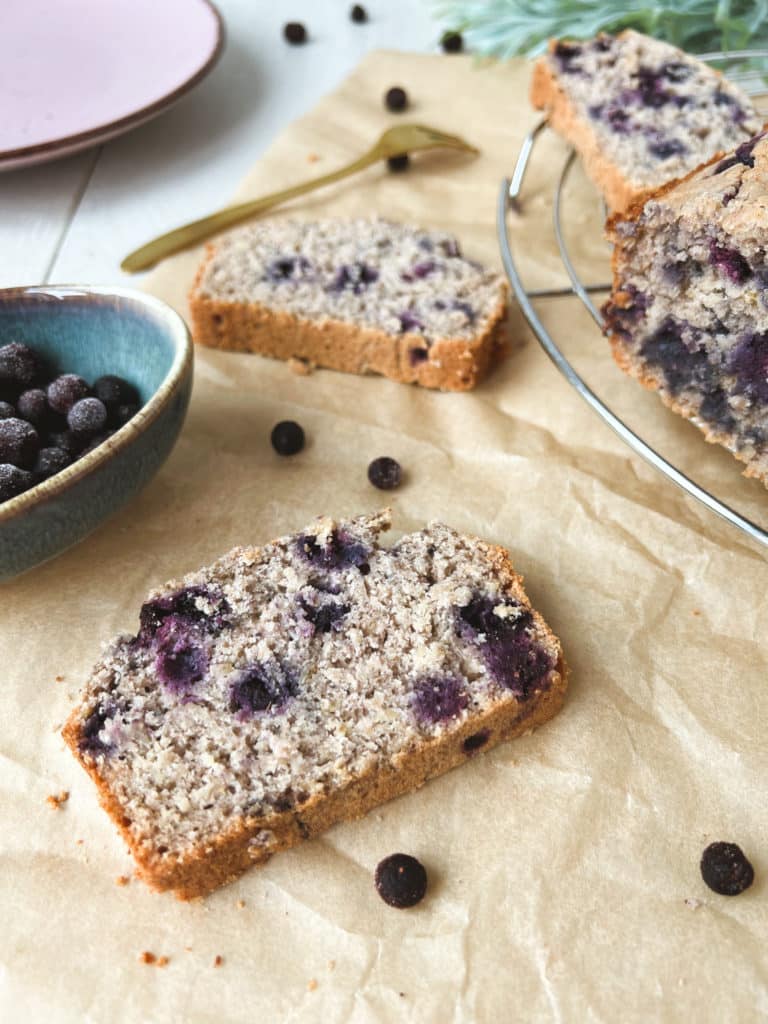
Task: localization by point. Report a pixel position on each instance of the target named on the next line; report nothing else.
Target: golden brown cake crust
(232, 852)
(451, 364)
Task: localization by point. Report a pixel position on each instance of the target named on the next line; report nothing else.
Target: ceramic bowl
(93, 331)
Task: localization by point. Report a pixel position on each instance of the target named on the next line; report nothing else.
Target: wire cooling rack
(510, 199)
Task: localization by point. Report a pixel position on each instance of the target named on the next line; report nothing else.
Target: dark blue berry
(19, 442)
(287, 437)
(476, 741)
(452, 42)
(183, 603)
(288, 268)
(664, 148)
(726, 869)
(385, 473)
(409, 322)
(66, 439)
(50, 461)
(396, 99)
(566, 54)
(398, 163)
(13, 481)
(7, 411)
(262, 686)
(64, 391)
(439, 698)
(716, 410)
(181, 660)
(119, 415)
(681, 366)
(401, 880)
(114, 391)
(87, 417)
(358, 14)
(89, 742)
(33, 406)
(295, 33)
(19, 366)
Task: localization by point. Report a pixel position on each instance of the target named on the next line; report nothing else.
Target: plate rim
(39, 151)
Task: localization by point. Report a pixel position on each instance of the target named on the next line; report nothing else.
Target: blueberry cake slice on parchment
(289, 687)
(639, 111)
(362, 296)
(688, 315)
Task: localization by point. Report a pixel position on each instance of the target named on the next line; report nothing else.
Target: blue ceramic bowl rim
(179, 334)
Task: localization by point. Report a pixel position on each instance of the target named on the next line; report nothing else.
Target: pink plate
(78, 72)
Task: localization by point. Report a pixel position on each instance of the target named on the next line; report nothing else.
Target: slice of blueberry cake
(362, 296)
(688, 315)
(639, 111)
(289, 687)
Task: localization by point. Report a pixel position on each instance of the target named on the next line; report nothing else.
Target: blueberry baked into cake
(362, 296)
(639, 111)
(688, 315)
(288, 687)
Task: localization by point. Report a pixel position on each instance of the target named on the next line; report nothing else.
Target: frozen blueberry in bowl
(85, 333)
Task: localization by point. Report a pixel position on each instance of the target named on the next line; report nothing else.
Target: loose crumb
(693, 903)
(301, 367)
(147, 957)
(312, 984)
(162, 961)
(312, 158)
(240, 904)
(55, 800)
(331, 964)
(122, 880)
(696, 611)
(79, 842)
(187, 949)
(59, 679)
(218, 961)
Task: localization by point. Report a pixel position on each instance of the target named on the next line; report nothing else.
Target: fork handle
(198, 230)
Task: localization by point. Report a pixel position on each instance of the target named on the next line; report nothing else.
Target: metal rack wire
(509, 199)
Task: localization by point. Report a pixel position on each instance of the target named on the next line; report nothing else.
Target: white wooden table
(72, 221)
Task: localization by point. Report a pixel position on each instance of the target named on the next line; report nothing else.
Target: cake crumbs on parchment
(695, 612)
(312, 158)
(218, 961)
(331, 964)
(59, 679)
(240, 904)
(150, 958)
(55, 800)
(187, 949)
(301, 367)
(122, 880)
(79, 842)
(162, 961)
(312, 984)
(693, 903)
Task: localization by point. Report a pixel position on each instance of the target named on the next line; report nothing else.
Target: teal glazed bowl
(93, 331)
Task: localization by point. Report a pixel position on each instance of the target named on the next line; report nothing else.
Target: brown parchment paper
(564, 866)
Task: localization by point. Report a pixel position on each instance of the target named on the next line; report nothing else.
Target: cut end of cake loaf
(289, 687)
(361, 296)
(639, 111)
(688, 315)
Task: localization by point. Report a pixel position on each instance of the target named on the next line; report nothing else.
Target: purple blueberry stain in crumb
(199, 605)
(566, 54)
(476, 741)
(749, 362)
(409, 322)
(426, 244)
(716, 410)
(262, 686)
(683, 367)
(676, 71)
(665, 148)
(729, 262)
(338, 551)
(93, 726)
(439, 699)
(616, 117)
(354, 277)
(510, 654)
(450, 248)
(323, 614)
(181, 658)
(419, 270)
(417, 356)
(283, 269)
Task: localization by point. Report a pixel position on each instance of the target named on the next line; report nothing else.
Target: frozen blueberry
(50, 461)
(120, 415)
(452, 42)
(385, 473)
(399, 163)
(96, 440)
(439, 698)
(358, 14)
(65, 390)
(19, 442)
(32, 405)
(725, 869)
(338, 551)
(295, 33)
(7, 411)
(401, 880)
(114, 391)
(396, 99)
(88, 416)
(262, 686)
(66, 439)
(19, 365)
(729, 262)
(287, 437)
(13, 481)
(89, 742)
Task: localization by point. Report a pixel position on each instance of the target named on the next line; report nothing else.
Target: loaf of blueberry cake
(362, 296)
(639, 111)
(688, 315)
(289, 687)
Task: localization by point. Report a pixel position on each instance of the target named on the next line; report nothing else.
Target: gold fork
(403, 138)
